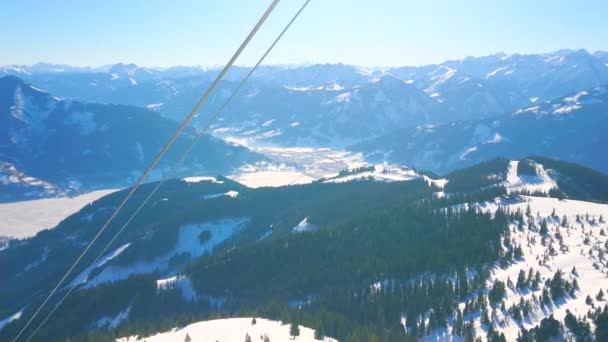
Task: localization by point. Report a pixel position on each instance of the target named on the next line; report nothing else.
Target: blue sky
(363, 32)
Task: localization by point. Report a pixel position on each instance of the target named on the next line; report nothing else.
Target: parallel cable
(173, 169)
(181, 127)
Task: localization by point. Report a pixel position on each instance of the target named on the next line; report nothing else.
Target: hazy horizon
(295, 64)
(385, 33)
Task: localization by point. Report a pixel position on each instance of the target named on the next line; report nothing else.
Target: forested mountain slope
(362, 259)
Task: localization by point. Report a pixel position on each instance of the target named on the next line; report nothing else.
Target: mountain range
(569, 128)
(380, 111)
(50, 146)
(476, 207)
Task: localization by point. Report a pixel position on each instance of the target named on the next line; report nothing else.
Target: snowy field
(302, 165)
(25, 219)
(230, 330)
(295, 165)
(381, 172)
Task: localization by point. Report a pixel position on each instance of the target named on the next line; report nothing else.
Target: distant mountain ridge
(70, 145)
(570, 128)
(328, 103)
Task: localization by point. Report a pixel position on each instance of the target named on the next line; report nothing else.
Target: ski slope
(541, 182)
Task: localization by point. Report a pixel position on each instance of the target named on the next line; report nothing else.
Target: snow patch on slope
(303, 226)
(182, 283)
(83, 277)
(468, 151)
(532, 183)
(187, 242)
(13, 317)
(112, 322)
(231, 194)
(440, 183)
(202, 179)
(381, 172)
(230, 329)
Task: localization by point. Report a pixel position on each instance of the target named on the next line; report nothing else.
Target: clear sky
(362, 32)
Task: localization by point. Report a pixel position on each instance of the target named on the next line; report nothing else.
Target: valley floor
(296, 165)
(25, 219)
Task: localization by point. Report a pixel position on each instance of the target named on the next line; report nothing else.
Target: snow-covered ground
(296, 165)
(202, 179)
(25, 219)
(303, 226)
(381, 172)
(541, 182)
(230, 330)
(301, 165)
(180, 282)
(262, 178)
(13, 317)
(582, 246)
(112, 322)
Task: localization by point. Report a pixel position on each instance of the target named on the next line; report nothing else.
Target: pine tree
(469, 332)
(187, 338)
(294, 330)
(600, 295)
(521, 280)
(536, 281)
(601, 325)
(497, 292)
(247, 338)
(485, 317)
(519, 253)
(458, 323)
(525, 335)
(548, 329)
(544, 230)
(556, 285)
(253, 321)
(319, 334)
(545, 297)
